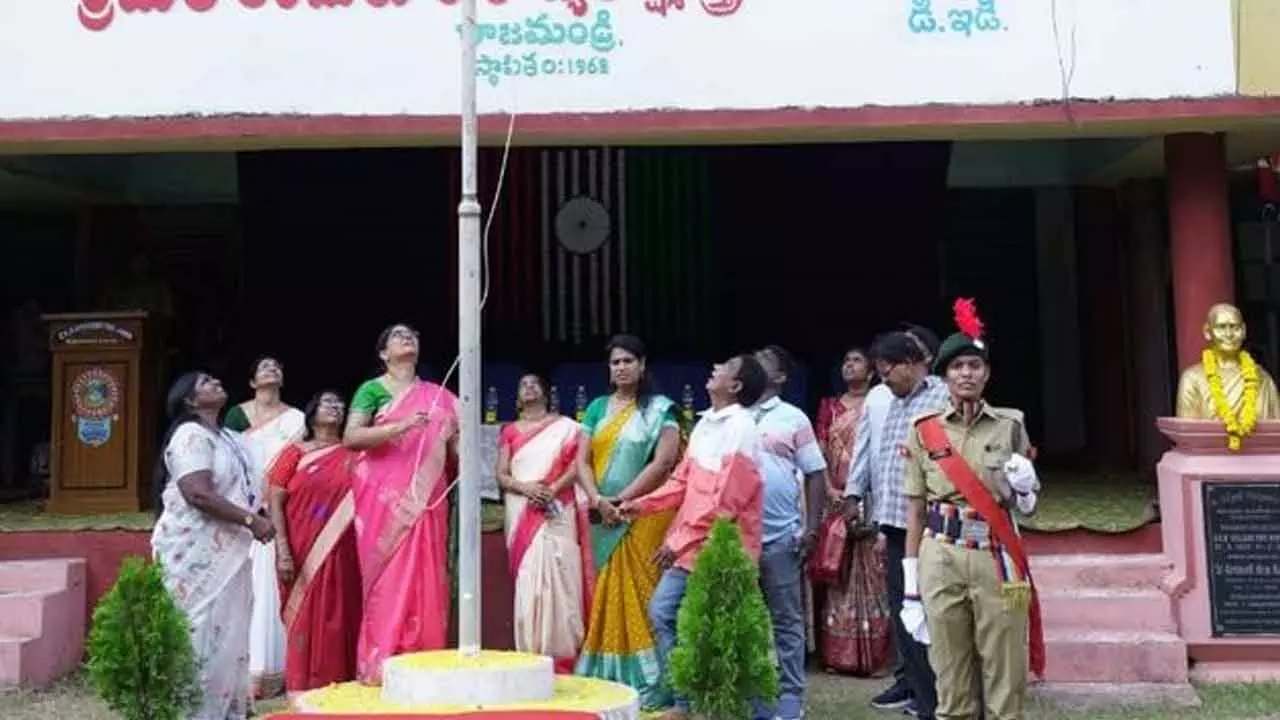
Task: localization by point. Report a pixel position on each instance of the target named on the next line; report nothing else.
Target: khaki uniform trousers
(973, 632)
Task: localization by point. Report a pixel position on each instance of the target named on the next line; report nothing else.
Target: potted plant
(723, 658)
(140, 659)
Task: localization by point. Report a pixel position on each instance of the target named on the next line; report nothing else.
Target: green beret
(956, 345)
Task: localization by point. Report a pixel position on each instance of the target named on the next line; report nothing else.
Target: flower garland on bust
(1237, 427)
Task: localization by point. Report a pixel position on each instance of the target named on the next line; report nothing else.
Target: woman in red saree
(855, 621)
(548, 538)
(405, 429)
(314, 512)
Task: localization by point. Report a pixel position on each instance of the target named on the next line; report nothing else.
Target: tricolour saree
(549, 550)
(620, 645)
(322, 606)
(402, 523)
(265, 439)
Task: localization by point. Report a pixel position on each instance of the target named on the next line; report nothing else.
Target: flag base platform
(445, 684)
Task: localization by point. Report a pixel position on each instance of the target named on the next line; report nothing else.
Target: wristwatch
(248, 520)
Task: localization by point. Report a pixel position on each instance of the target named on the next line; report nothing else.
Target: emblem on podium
(95, 396)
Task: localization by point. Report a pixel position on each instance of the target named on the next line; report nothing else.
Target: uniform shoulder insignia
(924, 416)
(1013, 414)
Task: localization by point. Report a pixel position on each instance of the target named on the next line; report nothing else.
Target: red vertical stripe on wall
(509, 211)
(512, 241)
(1103, 335)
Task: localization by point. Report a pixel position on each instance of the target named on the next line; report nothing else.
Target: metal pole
(469, 354)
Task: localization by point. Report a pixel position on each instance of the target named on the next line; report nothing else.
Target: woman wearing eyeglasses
(405, 430)
(313, 510)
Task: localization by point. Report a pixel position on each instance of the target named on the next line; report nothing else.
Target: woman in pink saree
(405, 429)
(548, 536)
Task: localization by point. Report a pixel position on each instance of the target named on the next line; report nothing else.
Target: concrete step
(42, 621)
(51, 574)
(1085, 697)
(1098, 571)
(11, 650)
(23, 613)
(1100, 656)
(1107, 609)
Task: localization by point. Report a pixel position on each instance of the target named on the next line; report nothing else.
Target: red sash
(935, 441)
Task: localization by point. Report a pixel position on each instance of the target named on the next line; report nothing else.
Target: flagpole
(469, 354)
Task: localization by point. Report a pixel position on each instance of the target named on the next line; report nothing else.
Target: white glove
(912, 613)
(1027, 503)
(913, 620)
(1021, 474)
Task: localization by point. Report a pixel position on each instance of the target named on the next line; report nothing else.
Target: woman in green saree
(634, 443)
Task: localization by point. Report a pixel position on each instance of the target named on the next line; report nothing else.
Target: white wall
(362, 59)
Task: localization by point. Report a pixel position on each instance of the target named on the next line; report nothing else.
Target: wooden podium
(104, 404)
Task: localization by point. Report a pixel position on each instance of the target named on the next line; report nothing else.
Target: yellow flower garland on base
(1242, 426)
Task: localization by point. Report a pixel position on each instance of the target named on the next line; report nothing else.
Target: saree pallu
(838, 435)
(401, 524)
(620, 645)
(266, 441)
(322, 608)
(549, 553)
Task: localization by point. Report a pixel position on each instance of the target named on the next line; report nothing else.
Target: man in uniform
(967, 590)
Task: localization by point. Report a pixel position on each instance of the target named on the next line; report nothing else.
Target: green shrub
(723, 658)
(140, 657)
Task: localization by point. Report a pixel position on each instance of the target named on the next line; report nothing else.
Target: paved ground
(831, 698)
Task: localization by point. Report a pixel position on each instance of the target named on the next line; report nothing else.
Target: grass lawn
(831, 698)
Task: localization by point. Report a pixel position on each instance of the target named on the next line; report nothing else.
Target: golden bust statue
(1227, 385)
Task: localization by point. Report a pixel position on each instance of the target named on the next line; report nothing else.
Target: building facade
(1129, 132)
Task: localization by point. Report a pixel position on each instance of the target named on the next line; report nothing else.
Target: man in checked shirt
(902, 360)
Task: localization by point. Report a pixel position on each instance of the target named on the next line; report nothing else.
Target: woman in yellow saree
(634, 443)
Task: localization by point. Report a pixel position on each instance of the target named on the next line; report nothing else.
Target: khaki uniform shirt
(986, 444)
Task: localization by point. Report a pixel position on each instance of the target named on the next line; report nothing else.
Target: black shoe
(896, 697)
(914, 711)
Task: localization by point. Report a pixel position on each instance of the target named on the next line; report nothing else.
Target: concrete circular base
(445, 683)
(444, 677)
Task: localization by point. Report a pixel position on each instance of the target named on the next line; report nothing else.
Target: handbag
(828, 561)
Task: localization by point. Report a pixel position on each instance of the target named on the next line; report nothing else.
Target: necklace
(1239, 426)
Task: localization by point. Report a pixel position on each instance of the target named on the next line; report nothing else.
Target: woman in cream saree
(633, 442)
(267, 427)
(203, 537)
(548, 540)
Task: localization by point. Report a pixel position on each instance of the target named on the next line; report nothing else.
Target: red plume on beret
(967, 320)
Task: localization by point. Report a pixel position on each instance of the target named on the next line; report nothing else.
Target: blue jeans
(664, 608)
(782, 581)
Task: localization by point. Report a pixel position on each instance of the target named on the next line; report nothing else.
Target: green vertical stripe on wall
(668, 242)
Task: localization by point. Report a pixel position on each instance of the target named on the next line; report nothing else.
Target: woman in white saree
(548, 546)
(208, 520)
(267, 426)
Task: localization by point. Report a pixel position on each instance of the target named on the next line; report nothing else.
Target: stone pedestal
(1220, 524)
(490, 686)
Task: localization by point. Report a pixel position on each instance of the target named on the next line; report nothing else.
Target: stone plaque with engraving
(1242, 549)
